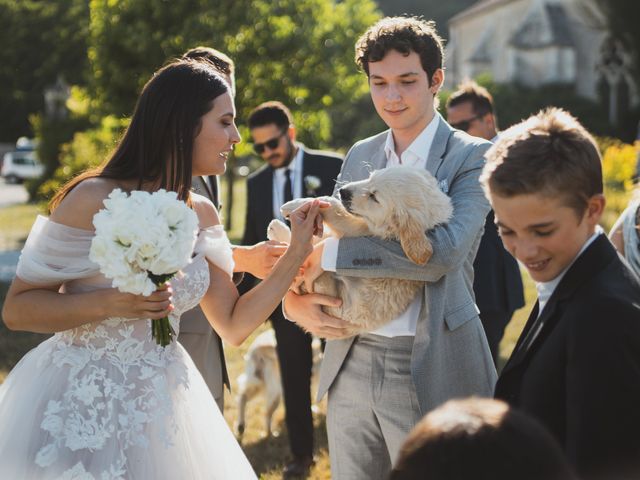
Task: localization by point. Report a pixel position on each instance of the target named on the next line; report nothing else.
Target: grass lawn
(15, 224)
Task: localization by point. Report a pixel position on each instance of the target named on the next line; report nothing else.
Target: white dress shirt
(415, 155)
(279, 179)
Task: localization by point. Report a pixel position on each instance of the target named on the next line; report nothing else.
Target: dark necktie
(288, 190)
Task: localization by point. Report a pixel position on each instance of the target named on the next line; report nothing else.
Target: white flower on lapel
(311, 184)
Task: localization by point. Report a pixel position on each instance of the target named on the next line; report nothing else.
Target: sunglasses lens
(270, 144)
(464, 126)
(273, 143)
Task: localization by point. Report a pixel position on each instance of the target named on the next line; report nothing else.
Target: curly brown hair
(405, 35)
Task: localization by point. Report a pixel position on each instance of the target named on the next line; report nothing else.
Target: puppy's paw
(278, 231)
(288, 208)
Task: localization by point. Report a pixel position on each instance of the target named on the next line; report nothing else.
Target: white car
(21, 165)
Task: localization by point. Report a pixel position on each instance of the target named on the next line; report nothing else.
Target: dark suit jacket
(208, 187)
(497, 283)
(581, 375)
(324, 165)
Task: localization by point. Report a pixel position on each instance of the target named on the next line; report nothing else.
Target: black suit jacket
(324, 165)
(497, 283)
(580, 376)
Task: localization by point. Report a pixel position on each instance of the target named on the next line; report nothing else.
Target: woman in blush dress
(100, 399)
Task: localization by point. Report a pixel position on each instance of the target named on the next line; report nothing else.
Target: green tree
(296, 51)
(41, 40)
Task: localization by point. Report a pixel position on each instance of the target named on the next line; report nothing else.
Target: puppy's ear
(413, 239)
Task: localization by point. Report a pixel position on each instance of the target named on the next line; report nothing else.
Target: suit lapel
(535, 329)
(267, 195)
(207, 187)
(378, 160)
(439, 146)
(307, 169)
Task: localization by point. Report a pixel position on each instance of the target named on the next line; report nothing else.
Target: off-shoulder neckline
(48, 220)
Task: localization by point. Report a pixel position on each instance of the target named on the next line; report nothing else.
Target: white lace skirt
(66, 415)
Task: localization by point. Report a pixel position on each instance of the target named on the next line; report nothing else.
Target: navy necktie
(288, 189)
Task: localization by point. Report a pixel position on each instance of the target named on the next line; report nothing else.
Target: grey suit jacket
(450, 357)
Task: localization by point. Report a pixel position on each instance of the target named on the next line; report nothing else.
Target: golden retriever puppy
(400, 203)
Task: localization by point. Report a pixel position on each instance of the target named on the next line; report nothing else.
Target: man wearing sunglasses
(291, 171)
(497, 283)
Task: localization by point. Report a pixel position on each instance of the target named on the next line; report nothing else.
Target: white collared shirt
(279, 179)
(415, 155)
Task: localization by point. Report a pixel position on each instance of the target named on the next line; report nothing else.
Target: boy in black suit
(291, 171)
(576, 365)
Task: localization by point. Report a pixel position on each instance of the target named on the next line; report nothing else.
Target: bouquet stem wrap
(161, 329)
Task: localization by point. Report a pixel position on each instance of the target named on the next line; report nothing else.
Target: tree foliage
(436, 10)
(41, 40)
(296, 51)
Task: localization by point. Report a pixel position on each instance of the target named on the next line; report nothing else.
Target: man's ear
(595, 208)
(291, 131)
(437, 79)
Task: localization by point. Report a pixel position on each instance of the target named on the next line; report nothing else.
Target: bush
(618, 163)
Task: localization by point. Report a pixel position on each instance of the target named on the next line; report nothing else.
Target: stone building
(538, 42)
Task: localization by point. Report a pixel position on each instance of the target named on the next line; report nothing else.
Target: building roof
(548, 26)
(477, 8)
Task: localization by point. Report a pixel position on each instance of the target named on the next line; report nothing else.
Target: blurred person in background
(497, 283)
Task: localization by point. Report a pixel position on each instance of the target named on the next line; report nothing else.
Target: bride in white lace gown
(100, 399)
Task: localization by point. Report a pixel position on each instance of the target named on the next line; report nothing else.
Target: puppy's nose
(345, 194)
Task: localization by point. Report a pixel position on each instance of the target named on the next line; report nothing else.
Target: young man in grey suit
(381, 384)
(197, 336)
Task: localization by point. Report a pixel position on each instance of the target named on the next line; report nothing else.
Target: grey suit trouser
(372, 407)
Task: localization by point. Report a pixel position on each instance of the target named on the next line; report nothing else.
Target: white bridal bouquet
(141, 241)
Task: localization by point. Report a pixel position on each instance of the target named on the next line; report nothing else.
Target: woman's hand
(258, 259)
(310, 270)
(305, 223)
(127, 305)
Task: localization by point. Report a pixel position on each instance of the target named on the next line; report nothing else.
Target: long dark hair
(158, 144)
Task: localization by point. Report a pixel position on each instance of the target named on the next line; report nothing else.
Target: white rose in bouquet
(141, 241)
